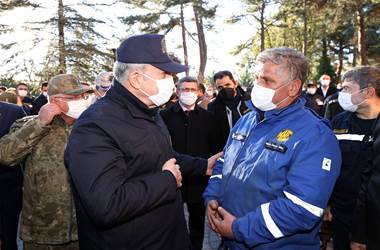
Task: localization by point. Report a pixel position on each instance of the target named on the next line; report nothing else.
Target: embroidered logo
(284, 135)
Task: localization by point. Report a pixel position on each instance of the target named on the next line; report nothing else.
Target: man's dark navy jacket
(10, 181)
(123, 198)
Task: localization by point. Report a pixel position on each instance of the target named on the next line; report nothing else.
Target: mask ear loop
(286, 98)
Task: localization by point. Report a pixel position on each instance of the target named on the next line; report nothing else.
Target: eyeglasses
(72, 98)
(188, 90)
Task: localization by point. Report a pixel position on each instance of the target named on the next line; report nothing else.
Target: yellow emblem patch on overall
(284, 135)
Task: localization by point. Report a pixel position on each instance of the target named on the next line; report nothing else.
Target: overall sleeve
(98, 170)
(314, 168)
(19, 142)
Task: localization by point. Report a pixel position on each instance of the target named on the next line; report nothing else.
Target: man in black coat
(360, 97)
(229, 104)
(193, 131)
(10, 184)
(326, 89)
(41, 100)
(366, 226)
(125, 174)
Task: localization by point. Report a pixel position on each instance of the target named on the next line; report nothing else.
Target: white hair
(121, 70)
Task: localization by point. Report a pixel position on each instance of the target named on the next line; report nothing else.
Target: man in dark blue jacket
(10, 183)
(124, 172)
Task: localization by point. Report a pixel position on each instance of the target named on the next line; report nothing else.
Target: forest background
(40, 38)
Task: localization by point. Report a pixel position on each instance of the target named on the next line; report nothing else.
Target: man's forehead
(267, 69)
(189, 84)
(349, 84)
(224, 80)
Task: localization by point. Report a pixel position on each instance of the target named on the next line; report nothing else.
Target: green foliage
(324, 66)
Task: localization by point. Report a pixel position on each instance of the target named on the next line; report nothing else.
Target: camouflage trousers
(73, 245)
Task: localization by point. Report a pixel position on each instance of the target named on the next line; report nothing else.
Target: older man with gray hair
(124, 171)
(279, 166)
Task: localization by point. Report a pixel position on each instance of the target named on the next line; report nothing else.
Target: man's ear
(370, 92)
(295, 87)
(134, 79)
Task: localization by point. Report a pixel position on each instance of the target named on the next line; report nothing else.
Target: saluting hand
(48, 112)
(174, 169)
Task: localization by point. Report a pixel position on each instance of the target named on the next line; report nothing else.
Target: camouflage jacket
(48, 213)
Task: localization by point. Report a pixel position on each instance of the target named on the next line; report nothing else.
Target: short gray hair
(364, 76)
(187, 79)
(294, 61)
(121, 70)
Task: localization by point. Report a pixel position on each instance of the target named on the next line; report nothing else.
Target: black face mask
(227, 93)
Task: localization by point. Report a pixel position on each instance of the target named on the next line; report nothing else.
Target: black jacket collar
(177, 108)
(138, 109)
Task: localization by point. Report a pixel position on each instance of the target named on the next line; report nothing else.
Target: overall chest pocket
(276, 168)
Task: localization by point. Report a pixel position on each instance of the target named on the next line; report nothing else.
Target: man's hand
(212, 211)
(211, 162)
(48, 112)
(174, 169)
(358, 246)
(223, 223)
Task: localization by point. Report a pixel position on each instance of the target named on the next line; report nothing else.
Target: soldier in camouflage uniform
(48, 218)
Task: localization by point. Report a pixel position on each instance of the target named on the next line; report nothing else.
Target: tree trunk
(185, 55)
(340, 57)
(304, 49)
(262, 26)
(361, 36)
(61, 37)
(202, 44)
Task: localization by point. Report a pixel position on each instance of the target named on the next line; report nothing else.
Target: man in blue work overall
(279, 166)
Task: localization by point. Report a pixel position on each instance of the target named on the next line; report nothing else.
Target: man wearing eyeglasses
(193, 131)
(48, 215)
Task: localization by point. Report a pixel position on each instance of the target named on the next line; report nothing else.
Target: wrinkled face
(274, 77)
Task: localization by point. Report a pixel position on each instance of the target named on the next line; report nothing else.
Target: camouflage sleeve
(18, 143)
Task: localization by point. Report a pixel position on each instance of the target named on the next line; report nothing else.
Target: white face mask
(22, 93)
(165, 88)
(188, 98)
(345, 101)
(325, 82)
(44, 93)
(209, 92)
(91, 99)
(77, 107)
(311, 91)
(262, 97)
